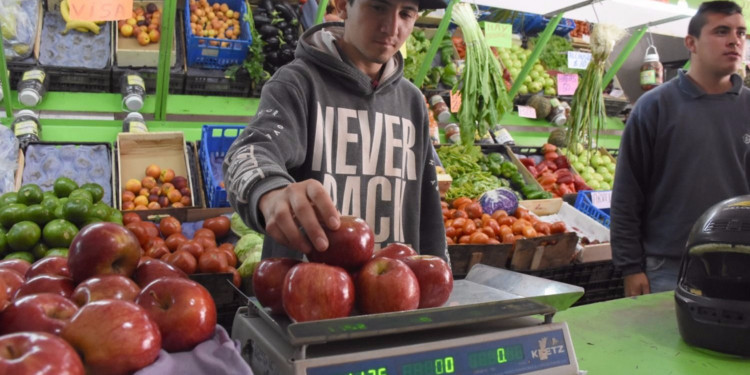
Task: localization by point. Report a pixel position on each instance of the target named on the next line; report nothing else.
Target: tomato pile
(554, 174)
(466, 223)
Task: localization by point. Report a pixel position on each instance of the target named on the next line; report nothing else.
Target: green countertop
(640, 336)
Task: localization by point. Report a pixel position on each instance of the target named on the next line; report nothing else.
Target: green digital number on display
(372, 371)
(501, 355)
(491, 357)
(430, 367)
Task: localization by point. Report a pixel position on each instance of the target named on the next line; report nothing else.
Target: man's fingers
(305, 213)
(324, 208)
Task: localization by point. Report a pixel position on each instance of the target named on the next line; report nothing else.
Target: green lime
(76, 210)
(39, 214)
(82, 194)
(50, 202)
(63, 186)
(96, 190)
(100, 210)
(48, 193)
(30, 194)
(58, 211)
(25, 255)
(8, 198)
(57, 251)
(39, 250)
(115, 216)
(12, 214)
(3, 242)
(23, 235)
(59, 233)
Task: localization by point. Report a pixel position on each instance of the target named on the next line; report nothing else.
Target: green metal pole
(322, 5)
(165, 53)
(5, 79)
(434, 44)
(687, 65)
(632, 42)
(541, 43)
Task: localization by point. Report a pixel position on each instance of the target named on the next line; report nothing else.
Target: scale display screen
(514, 355)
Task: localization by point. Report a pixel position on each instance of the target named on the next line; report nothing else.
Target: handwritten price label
(526, 111)
(578, 60)
(567, 84)
(601, 199)
(100, 10)
(455, 101)
(498, 34)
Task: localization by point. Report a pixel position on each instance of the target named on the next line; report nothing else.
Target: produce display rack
(67, 79)
(215, 83)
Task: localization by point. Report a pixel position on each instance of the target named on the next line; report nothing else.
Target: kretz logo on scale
(544, 351)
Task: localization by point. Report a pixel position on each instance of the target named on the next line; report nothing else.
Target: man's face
(376, 29)
(721, 44)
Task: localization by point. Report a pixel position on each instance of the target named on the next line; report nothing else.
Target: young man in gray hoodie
(339, 131)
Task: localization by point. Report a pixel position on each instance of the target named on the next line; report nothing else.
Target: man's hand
(302, 205)
(636, 285)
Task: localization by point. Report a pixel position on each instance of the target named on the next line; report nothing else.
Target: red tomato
(169, 225)
(220, 225)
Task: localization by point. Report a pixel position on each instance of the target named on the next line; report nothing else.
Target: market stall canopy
(663, 18)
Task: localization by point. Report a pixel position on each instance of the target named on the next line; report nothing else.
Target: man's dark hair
(701, 17)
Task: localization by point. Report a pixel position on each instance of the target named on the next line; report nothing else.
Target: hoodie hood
(318, 46)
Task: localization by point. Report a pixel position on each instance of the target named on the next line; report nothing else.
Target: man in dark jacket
(339, 131)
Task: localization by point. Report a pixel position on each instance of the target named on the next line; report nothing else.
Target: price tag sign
(601, 199)
(567, 84)
(616, 93)
(578, 60)
(455, 101)
(526, 111)
(100, 10)
(498, 34)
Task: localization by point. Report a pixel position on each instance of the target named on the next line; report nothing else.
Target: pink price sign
(100, 10)
(526, 111)
(567, 84)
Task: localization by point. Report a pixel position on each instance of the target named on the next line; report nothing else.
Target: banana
(75, 24)
(100, 22)
(81, 29)
(65, 10)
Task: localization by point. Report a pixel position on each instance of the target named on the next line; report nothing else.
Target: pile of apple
(349, 272)
(103, 310)
(215, 20)
(160, 188)
(553, 172)
(538, 80)
(201, 253)
(144, 25)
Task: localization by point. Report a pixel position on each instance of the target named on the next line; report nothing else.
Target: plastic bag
(19, 19)
(8, 159)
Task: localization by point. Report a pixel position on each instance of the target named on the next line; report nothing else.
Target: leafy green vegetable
(248, 245)
(247, 267)
(459, 159)
(555, 53)
(253, 64)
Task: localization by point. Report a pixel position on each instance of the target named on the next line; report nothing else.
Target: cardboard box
(129, 53)
(19, 170)
(137, 151)
(584, 226)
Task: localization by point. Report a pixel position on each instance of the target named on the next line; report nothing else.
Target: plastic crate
(176, 79)
(584, 204)
(563, 28)
(201, 53)
(79, 79)
(16, 68)
(215, 142)
(215, 83)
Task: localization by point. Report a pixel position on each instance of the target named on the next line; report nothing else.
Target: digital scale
(495, 322)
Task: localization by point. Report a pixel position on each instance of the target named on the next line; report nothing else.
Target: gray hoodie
(320, 118)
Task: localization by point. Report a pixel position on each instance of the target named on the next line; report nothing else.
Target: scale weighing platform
(495, 322)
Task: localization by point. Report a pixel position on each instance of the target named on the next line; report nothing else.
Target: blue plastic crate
(563, 28)
(215, 142)
(584, 204)
(201, 54)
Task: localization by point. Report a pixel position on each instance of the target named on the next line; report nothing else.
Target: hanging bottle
(652, 72)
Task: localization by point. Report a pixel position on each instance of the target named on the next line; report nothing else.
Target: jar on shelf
(440, 109)
(26, 127)
(453, 133)
(133, 90)
(134, 123)
(652, 72)
(32, 87)
(557, 114)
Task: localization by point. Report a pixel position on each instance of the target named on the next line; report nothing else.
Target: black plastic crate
(16, 68)
(215, 83)
(79, 79)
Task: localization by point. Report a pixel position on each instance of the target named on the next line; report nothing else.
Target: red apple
(12, 280)
(268, 281)
(395, 250)
(349, 247)
(153, 269)
(46, 284)
(386, 285)
(45, 312)
(38, 353)
(113, 337)
(183, 309)
(314, 291)
(4, 296)
(18, 265)
(105, 287)
(101, 249)
(435, 279)
(52, 265)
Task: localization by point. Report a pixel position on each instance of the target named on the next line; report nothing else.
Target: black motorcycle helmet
(713, 291)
